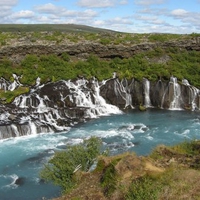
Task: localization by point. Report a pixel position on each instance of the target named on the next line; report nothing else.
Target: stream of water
(22, 158)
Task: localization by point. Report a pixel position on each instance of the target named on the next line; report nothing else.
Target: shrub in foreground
(62, 167)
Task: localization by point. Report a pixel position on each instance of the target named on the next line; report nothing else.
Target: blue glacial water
(22, 158)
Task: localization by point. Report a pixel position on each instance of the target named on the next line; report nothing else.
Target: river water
(22, 158)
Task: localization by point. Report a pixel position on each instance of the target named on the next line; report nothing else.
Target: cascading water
(84, 97)
(193, 95)
(172, 95)
(38, 110)
(147, 101)
(175, 94)
(15, 83)
(122, 90)
(57, 106)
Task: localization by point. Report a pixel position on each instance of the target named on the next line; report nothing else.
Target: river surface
(21, 159)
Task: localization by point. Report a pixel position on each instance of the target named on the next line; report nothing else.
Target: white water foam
(147, 100)
(12, 179)
(176, 90)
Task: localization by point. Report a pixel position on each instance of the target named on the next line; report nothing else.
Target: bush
(62, 167)
(143, 188)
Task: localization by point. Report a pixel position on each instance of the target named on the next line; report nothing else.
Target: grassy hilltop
(50, 27)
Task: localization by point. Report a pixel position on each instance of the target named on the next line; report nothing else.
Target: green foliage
(109, 178)
(163, 37)
(182, 64)
(191, 148)
(105, 41)
(61, 168)
(10, 95)
(6, 70)
(143, 188)
(65, 56)
(4, 37)
(152, 64)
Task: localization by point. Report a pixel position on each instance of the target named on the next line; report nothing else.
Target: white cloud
(49, 8)
(149, 2)
(179, 12)
(122, 24)
(100, 4)
(188, 19)
(23, 14)
(120, 20)
(50, 13)
(6, 10)
(89, 13)
(9, 3)
(148, 19)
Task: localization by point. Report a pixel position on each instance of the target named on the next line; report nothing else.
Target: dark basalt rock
(60, 105)
(83, 49)
(20, 181)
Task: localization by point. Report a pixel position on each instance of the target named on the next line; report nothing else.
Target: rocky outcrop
(82, 49)
(166, 95)
(54, 107)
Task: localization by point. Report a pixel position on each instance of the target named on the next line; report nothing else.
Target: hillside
(50, 27)
(74, 53)
(167, 173)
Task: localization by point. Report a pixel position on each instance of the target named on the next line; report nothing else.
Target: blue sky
(134, 16)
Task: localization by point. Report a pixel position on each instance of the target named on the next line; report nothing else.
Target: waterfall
(15, 130)
(193, 97)
(122, 90)
(174, 94)
(4, 84)
(94, 103)
(32, 128)
(147, 101)
(15, 83)
(55, 107)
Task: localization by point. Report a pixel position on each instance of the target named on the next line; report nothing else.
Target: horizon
(137, 16)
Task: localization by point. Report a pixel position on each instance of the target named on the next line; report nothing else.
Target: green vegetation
(62, 167)
(143, 188)
(168, 173)
(9, 96)
(154, 64)
(191, 148)
(109, 178)
(50, 27)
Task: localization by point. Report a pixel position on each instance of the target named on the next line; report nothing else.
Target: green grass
(50, 27)
(144, 187)
(8, 96)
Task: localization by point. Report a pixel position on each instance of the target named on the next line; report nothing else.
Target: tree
(62, 167)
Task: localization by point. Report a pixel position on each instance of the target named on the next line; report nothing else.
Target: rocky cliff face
(57, 106)
(18, 49)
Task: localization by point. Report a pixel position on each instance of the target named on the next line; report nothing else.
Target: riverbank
(167, 173)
